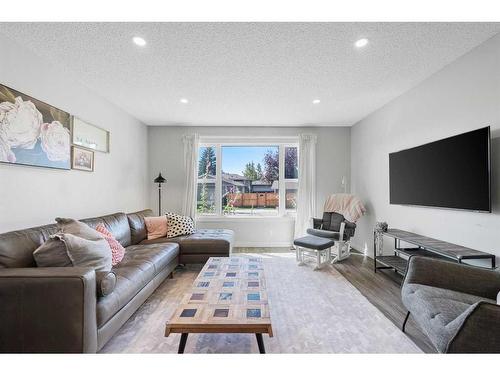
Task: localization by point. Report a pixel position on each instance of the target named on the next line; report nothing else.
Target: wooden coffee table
(228, 296)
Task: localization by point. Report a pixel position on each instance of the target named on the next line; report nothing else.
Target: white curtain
(191, 142)
(306, 202)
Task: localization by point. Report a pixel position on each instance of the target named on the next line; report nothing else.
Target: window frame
(218, 143)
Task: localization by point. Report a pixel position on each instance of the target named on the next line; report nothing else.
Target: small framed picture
(89, 136)
(82, 159)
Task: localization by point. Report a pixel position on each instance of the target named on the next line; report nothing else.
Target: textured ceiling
(250, 73)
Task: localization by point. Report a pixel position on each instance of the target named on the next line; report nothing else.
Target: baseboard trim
(262, 244)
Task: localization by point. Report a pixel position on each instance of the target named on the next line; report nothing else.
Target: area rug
(311, 312)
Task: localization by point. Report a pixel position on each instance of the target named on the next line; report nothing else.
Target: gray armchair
(330, 226)
(335, 227)
(454, 304)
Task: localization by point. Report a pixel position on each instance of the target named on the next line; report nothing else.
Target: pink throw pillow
(117, 250)
(157, 227)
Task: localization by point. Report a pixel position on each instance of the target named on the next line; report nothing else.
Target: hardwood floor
(382, 289)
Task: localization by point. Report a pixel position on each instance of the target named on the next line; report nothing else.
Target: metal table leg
(260, 343)
(182, 343)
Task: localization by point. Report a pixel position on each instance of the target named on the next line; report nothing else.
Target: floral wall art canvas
(33, 132)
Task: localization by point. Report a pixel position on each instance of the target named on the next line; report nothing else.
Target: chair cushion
(313, 242)
(139, 266)
(439, 312)
(325, 234)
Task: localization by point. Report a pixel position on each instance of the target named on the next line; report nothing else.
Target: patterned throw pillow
(117, 250)
(179, 225)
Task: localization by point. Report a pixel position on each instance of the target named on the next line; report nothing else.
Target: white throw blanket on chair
(345, 204)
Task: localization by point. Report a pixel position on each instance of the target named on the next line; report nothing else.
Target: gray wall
(166, 155)
(463, 96)
(32, 196)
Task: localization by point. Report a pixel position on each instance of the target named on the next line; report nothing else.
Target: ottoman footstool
(312, 246)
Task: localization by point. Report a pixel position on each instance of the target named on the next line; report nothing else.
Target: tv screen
(449, 173)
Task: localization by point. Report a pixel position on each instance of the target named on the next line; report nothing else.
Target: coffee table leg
(182, 343)
(260, 342)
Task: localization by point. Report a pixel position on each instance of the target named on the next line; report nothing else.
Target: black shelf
(393, 261)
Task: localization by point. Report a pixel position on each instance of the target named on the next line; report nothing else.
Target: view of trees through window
(249, 181)
(207, 168)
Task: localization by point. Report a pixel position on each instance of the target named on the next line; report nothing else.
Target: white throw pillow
(179, 225)
(498, 298)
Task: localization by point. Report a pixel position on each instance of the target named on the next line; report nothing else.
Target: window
(241, 180)
(207, 170)
(291, 177)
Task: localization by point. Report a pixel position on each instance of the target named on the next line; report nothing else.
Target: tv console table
(424, 246)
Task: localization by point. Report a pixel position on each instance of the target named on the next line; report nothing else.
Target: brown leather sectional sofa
(57, 309)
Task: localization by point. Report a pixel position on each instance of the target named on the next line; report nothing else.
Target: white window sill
(206, 218)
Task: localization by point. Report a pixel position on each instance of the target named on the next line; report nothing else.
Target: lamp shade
(159, 179)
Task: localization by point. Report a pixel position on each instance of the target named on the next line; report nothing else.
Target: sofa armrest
(48, 310)
(480, 332)
(454, 276)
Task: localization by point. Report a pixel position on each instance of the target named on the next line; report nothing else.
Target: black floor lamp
(159, 180)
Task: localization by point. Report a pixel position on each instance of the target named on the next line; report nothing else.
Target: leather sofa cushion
(117, 224)
(17, 247)
(202, 241)
(138, 226)
(439, 312)
(139, 266)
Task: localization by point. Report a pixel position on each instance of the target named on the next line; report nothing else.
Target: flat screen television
(450, 173)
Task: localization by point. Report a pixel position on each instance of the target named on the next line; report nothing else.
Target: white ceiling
(250, 74)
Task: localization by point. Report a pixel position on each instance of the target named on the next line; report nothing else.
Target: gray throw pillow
(52, 253)
(76, 244)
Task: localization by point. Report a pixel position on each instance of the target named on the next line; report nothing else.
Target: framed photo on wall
(33, 132)
(89, 136)
(82, 159)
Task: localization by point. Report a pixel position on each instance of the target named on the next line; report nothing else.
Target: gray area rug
(311, 312)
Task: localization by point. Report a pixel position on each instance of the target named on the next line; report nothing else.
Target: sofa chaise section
(194, 248)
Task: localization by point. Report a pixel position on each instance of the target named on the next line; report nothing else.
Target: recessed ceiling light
(184, 101)
(139, 41)
(361, 42)
(316, 101)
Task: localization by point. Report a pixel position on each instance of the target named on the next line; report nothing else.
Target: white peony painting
(33, 132)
